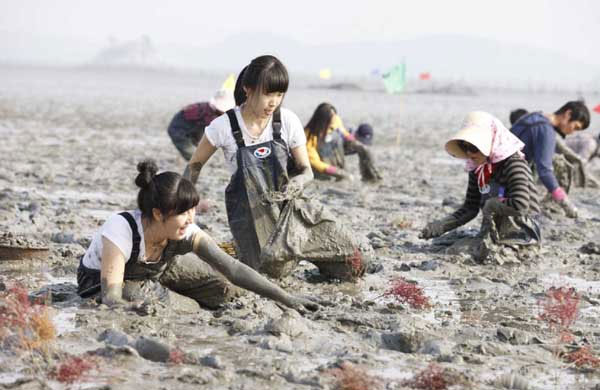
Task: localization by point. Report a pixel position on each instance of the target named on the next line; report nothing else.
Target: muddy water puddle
(445, 302)
(539, 378)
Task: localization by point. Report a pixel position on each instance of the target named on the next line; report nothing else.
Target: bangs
(186, 197)
(275, 79)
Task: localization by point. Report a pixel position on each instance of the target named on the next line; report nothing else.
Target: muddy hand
(115, 303)
(139, 307)
(293, 188)
(432, 229)
(303, 305)
(495, 206)
(341, 174)
(569, 208)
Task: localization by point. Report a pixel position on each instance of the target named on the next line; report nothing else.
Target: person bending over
(500, 184)
(327, 143)
(538, 132)
(157, 248)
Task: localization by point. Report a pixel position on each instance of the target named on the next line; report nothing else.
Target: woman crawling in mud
(157, 251)
(263, 144)
(500, 184)
(327, 143)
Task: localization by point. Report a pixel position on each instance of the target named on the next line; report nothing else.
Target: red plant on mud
(583, 357)
(433, 377)
(356, 263)
(351, 377)
(559, 309)
(176, 356)
(73, 369)
(31, 324)
(406, 292)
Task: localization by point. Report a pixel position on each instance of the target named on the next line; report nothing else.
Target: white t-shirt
(117, 230)
(220, 136)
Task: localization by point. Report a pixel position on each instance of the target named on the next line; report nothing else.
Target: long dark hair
(264, 74)
(168, 191)
(320, 120)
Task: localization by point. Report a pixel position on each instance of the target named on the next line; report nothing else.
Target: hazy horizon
(313, 34)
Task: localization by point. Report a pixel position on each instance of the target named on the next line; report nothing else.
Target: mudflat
(71, 139)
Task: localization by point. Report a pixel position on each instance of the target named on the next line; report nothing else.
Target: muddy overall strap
(277, 124)
(135, 239)
(88, 280)
(235, 128)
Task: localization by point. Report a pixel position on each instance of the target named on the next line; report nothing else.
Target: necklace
(154, 249)
(252, 137)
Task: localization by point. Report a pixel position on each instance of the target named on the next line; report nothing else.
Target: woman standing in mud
(156, 250)
(500, 184)
(260, 140)
(327, 143)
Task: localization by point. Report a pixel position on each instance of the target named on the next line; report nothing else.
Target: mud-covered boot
(368, 172)
(484, 251)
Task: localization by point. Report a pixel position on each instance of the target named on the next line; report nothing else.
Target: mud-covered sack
(306, 230)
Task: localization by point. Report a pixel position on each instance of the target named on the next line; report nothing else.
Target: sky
(30, 28)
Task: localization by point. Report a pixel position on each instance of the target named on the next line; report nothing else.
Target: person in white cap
(187, 126)
(500, 184)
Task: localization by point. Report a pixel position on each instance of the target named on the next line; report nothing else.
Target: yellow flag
(325, 74)
(229, 83)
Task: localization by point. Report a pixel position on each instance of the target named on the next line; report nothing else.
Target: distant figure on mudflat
(516, 114)
(538, 132)
(327, 141)
(500, 184)
(187, 126)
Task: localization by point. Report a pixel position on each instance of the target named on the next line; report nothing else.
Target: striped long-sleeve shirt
(514, 175)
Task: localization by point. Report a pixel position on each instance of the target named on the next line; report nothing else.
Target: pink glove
(350, 137)
(331, 170)
(559, 194)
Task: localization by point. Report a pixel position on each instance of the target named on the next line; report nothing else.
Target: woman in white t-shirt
(260, 140)
(149, 247)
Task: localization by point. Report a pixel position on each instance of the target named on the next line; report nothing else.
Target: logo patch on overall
(262, 152)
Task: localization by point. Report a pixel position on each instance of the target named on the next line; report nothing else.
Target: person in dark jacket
(516, 114)
(187, 126)
(576, 150)
(538, 132)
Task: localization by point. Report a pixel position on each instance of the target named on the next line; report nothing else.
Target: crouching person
(500, 184)
(157, 252)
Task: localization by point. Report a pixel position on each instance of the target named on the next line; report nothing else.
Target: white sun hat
(222, 100)
(476, 130)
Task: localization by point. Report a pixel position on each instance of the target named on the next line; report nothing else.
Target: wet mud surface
(71, 140)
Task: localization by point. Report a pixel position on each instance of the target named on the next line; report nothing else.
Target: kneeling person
(327, 141)
(500, 184)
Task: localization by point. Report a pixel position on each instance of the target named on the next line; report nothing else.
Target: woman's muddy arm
(201, 155)
(464, 214)
(243, 276)
(112, 270)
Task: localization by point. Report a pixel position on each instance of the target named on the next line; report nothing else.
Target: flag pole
(401, 98)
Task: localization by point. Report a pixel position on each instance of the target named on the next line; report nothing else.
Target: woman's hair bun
(147, 170)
